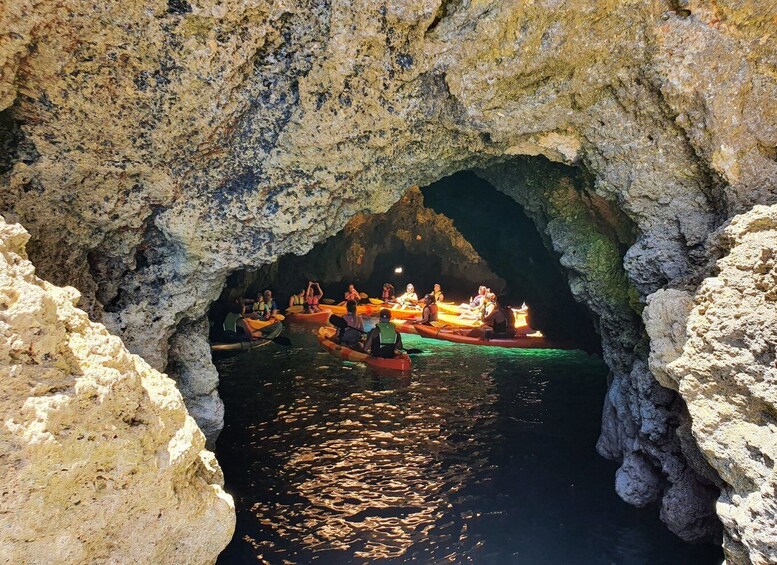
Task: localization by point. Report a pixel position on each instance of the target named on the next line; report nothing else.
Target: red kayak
(398, 363)
(460, 336)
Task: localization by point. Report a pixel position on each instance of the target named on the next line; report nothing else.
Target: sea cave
(607, 171)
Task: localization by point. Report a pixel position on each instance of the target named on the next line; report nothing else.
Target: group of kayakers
(496, 320)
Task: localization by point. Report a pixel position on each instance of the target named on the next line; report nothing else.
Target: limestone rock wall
(640, 417)
(152, 148)
(726, 372)
(100, 460)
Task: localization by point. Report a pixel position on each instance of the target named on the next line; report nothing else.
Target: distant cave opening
(460, 232)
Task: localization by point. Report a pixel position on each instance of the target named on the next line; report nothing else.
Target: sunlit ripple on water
(465, 461)
(369, 473)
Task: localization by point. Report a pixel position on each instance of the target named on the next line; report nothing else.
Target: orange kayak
(399, 363)
(259, 324)
(312, 317)
(460, 336)
(521, 322)
(362, 309)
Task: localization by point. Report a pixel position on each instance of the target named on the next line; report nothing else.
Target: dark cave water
(480, 456)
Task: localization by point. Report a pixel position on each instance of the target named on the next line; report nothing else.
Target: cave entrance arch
(459, 231)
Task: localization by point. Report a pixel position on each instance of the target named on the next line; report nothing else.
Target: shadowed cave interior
(421, 234)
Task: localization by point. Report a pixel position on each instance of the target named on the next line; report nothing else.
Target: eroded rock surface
(727, 373)
(152, 148)
(100, 461)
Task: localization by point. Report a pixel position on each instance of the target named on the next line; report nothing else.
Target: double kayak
(268, 333)
(460, 336)
(399, 363)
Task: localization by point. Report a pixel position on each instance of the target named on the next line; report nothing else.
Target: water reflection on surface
(480, 456)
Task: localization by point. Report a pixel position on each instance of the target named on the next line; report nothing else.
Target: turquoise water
(479, 456)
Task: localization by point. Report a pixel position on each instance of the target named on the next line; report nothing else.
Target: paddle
(340, 323)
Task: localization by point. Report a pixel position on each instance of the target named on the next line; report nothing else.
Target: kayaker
(312, 296)
(410, 298)
(351, 294)
(234, 326)
(477, 301)
(437, 293)
(351, 335)
(297, 299)
(429, 314)
(269, 308)
(251, 308)
(498, 324)
(384, 339)
(388, 294)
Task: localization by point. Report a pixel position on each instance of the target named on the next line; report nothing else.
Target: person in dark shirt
(429, 314)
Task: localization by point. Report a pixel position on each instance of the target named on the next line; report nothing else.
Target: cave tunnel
(409, 244)
(327, 459)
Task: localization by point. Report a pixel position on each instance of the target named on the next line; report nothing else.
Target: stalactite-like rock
(100, 460)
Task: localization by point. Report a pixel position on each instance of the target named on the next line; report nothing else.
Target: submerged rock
(100, 460)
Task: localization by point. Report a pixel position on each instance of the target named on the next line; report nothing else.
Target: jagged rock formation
(100, 461)
(730, 354)
(152, 148)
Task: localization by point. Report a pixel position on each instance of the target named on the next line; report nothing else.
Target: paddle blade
(413, 351)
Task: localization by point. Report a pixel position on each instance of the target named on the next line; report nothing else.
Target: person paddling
(235, 327)
(350, 335)
(384, 339)
(500, 323)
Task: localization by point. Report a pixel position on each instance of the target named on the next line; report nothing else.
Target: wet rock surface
(151, 149)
